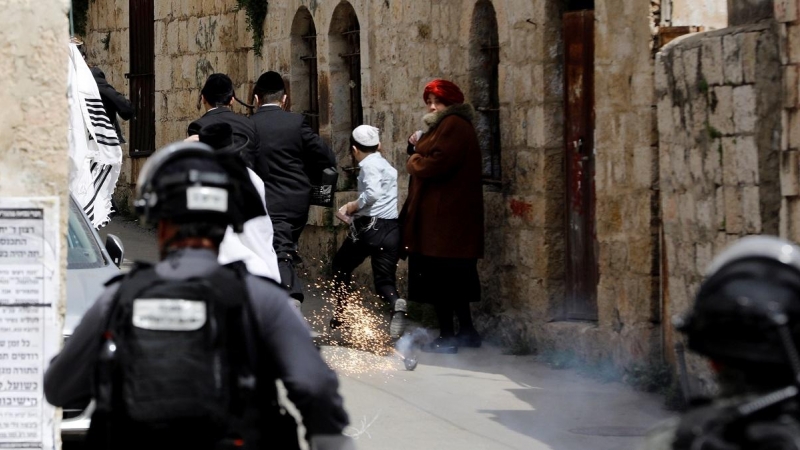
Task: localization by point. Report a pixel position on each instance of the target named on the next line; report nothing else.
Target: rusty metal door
(142, 78)
(581, 261)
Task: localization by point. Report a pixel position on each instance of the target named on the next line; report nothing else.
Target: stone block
(733, 209)
(163, 69)
(691, 62)
(733, 65)
(790, 86)
(712, 60)
(790, 173)
(784, 217)
(195, 8)
(159, 38)
(785, 129)
(704, 254)
(163, 9)
(712, 162)
(749, 43)
(666, 129)
(793, 43)
(793, 219)
(744, 109)
(783, 45)
(534, 125)
(719, 207)
(696, 164)
(706, 214)
(172, 37)
(729, 155)
(642, 87)
(193, 34)
(687, 209)
(751, 210)
(320, 216)
(746, 157)
(721, 119)
(643, 166)
(183, 36)
(785, 10)
(794, 129)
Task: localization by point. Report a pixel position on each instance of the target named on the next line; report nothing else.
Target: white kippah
(366, 135)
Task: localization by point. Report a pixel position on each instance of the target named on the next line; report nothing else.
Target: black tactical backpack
(769, 422)
(180, 355)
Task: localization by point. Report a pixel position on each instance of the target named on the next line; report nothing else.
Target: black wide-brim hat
(270, 82)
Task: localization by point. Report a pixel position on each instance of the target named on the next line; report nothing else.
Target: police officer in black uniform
(297, 156)
(185, 353)
(746, 321)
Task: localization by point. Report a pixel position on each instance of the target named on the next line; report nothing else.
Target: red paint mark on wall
(519, 209)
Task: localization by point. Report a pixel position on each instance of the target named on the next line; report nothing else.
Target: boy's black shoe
(441, 345)
(469, 339)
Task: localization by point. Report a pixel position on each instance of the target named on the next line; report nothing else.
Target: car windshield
(83, 252)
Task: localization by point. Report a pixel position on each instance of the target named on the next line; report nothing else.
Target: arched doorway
(345, 78)
(484, 61)
(304, 76)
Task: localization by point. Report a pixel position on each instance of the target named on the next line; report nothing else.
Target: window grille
(312, 108)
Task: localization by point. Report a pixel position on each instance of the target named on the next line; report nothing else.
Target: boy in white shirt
(374, 231)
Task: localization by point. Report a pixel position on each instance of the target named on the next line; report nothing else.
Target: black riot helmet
(183, 182)
(747, 310)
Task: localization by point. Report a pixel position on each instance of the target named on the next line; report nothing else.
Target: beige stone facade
(33, 86)
(34, 163)
(404, 44)
(719, 108)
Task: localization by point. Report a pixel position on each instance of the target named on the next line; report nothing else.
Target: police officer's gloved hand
(332, 442)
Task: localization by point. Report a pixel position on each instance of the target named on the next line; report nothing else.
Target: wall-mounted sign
(29, 329)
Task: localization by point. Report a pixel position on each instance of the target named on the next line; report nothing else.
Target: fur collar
(463, 110)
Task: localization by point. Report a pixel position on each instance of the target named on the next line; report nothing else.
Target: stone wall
(106, 41)
(33, 86)
(34, 162)
(406, 44)
(192, 40)
(33, 78)
(787, 15)
(626, 173)
(403, 45)
(719, 122)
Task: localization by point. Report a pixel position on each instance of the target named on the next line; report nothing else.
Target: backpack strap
(234, 295)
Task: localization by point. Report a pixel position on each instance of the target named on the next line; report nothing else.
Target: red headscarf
(446, 91)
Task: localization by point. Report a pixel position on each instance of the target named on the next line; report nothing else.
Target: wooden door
(142, 78)
(581, 261)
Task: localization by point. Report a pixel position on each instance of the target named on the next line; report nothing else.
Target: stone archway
(304, 77)
(484, 61)
(346, 110)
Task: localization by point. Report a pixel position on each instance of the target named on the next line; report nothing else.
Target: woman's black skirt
(435, 280)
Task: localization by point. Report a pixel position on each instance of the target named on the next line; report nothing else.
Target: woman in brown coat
(443, 215)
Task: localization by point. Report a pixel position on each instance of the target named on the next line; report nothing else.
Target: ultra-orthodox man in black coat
(296, 156)
(217, 97)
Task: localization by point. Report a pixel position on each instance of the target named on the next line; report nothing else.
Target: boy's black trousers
(381, 243)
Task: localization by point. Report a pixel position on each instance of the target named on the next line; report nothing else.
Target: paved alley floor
(477, 399)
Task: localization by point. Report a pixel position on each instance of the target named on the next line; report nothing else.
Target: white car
(89, 265)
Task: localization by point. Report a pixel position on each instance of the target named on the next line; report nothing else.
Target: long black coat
(241, 125)
(296, 155)
(113, 102)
